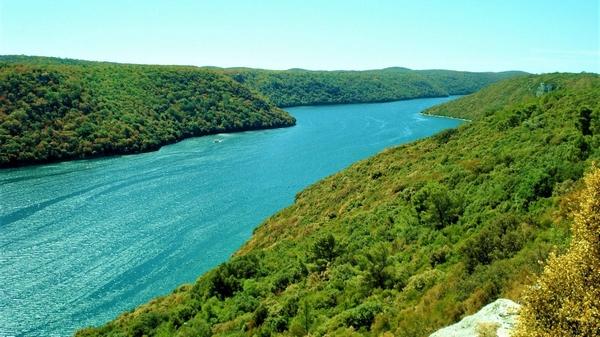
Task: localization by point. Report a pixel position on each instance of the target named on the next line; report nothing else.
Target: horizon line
(273, 69)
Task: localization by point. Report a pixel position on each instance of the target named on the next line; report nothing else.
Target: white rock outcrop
(500, 316)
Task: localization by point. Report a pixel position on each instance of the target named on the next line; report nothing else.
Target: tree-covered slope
(411, 239)
(56, 109)
(304, 87)
(53, 109)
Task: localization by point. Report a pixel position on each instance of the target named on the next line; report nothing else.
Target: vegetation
(57, 109)
(53, 109)
(566, 299)
(412, 239)
(304, 87)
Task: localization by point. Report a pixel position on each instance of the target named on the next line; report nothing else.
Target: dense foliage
(52, 109)
(409, 240)
(304, 87)
(56, 109)
(565, 301)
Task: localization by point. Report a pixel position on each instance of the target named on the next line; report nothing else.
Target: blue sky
(531, 35)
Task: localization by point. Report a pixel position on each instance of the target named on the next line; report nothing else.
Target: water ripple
(83, 241)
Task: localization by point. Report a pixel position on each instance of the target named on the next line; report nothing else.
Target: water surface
(82, 241)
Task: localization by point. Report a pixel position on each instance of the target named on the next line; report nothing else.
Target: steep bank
(52, 109)
(412, 239)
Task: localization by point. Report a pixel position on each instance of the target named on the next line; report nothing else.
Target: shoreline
(368, 102)
(442, 116)
(157, 147)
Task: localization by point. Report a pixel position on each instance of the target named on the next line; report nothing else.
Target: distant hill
(57, 109)
(412, 239)
(304, 87)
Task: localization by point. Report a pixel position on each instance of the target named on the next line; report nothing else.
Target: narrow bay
(83, 241)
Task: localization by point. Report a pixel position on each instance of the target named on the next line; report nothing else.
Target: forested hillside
(304, 87)
(53, 109)
(57, 109)
(412, 239)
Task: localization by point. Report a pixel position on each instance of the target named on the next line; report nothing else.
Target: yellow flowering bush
(566, 299)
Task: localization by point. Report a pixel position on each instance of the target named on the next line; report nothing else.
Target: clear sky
(477, 35)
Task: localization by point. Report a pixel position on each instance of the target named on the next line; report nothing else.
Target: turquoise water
(82, 241)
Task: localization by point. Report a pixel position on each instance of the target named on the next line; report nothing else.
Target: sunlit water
(82, 241)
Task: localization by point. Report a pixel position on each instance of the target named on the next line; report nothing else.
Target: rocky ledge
(496, 319)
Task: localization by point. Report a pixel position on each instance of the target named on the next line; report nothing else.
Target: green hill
(411, 239)
(57, 109)
(304, 87)
(54, 109)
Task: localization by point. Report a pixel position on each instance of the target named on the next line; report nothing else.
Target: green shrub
(362, 316)
(227, 279)
(436, 206)
(501, 238)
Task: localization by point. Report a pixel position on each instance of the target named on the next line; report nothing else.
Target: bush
(419, 283)
(377, 262)
(198, 328)
(260, 315)
(362, 316)
(227, 278)
(145, 323)
(436, 206)
(439, 256)
(501, 239)
(538, 183)
(565, 300)
(324, 248)
(291, 274)
(324, 251)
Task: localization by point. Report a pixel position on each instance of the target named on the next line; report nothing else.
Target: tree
(324, 249)
(378, 260)
(585, 121)
(436, 206)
